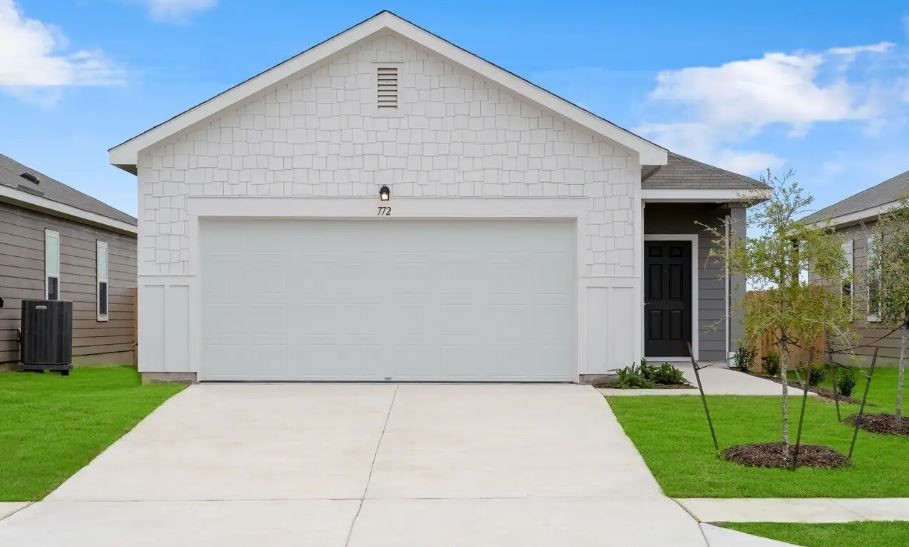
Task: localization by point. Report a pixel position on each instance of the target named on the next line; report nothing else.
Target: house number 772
(384, 211)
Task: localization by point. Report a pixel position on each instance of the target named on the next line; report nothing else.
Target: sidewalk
(811, 510)
(717, 380)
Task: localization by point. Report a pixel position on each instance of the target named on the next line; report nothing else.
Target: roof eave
(125, 155)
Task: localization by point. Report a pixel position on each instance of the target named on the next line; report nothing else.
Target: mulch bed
(611, 384)
(771, 455)
(882, 423)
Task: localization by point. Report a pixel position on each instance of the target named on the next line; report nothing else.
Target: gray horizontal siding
(870, 333)
(22, 277)
(673, 218)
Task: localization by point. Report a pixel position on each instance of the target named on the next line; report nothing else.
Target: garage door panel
(400, 300)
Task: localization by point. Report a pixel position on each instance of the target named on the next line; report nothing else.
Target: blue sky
(819, 87)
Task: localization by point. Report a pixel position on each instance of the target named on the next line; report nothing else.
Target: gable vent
(30, 177)
(387, 90)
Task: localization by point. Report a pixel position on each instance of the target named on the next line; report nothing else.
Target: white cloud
(176, 10)
(710, 112)
(33, 56)
(777, 88)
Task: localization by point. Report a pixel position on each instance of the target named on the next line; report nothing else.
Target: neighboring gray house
(855, 218)
(60, 244)
(389, 206)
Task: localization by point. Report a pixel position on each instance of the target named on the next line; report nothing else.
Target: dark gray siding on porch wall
(22, 277)
(681, 218)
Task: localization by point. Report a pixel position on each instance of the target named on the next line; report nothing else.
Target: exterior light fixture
(384, 193)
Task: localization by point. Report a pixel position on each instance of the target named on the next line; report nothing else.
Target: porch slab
(718, 379)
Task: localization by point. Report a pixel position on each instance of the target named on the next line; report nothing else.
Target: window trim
(48, 236)
(849, 252)
(873, 248)
(99, 278)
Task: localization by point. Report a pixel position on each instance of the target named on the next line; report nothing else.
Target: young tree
(775, 259)
(889, 281)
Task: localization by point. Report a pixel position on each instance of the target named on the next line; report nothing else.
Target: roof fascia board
(126, 154)
(672, 195)
(62, 210)
(858, 216)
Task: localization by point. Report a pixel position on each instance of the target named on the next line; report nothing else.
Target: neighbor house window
(51, 265)
(846, 291)
(873, 272)
(101, 262)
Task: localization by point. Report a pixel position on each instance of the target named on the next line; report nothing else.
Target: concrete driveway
(364, 465)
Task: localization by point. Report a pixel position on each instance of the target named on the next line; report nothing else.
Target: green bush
(743, 359)
(770, 364)
(666, 374)
(816, 375)
(845, 382)
(645, 375)
(633, 376)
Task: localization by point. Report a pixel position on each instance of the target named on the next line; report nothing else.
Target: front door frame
(695, 296)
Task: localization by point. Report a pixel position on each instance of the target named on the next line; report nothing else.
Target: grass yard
(671, 434)
(849, 534)
(52, 425)
(882, 394)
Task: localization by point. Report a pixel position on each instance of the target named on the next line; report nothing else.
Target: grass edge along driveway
(51, 426)
(846, 534)
(672, 436)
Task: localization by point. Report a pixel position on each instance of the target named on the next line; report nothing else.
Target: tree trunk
(901, 379)
(784, 380)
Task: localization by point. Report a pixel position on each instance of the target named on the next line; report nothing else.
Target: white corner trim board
(62, 209)
(695, 295)
(125, 155)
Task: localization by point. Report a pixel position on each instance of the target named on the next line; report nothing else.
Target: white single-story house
(386, 206)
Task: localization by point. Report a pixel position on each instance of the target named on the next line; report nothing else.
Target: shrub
(645, 375)
(816, 374)
(633, 376)
(845, 382)
(743, 359)
(770, 364)
(666, 374)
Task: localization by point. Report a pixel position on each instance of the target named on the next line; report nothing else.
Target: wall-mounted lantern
(384, 193)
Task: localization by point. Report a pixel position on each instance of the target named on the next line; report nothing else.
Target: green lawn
(52, 425)
(882, 394)
(850, 534)
(671, 433)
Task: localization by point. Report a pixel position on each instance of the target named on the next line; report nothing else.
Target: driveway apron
(364, 465)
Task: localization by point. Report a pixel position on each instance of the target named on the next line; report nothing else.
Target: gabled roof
(52, 195)
(865, 204)
(687, 174)
(125, 155)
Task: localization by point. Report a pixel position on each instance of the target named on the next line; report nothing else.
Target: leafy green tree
(775, 258)
(889, 281)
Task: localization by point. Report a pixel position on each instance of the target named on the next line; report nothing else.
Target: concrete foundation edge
(168, 377)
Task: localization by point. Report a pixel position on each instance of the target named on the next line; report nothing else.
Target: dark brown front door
(667, 298)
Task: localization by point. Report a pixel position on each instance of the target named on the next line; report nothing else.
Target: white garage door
(388, 300)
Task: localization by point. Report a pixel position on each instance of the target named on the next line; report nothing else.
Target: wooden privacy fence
(765, 344)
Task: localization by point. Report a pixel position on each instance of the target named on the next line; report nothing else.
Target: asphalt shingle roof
(886, 192)
(683, 173)
(11, 175)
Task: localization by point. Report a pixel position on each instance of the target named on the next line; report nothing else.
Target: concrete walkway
(364, 465)
(797, 509)
(717, 380)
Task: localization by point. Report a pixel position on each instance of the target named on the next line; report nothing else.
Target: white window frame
(49, 259)
(101, 276)
(849, 253)
(874, 246)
